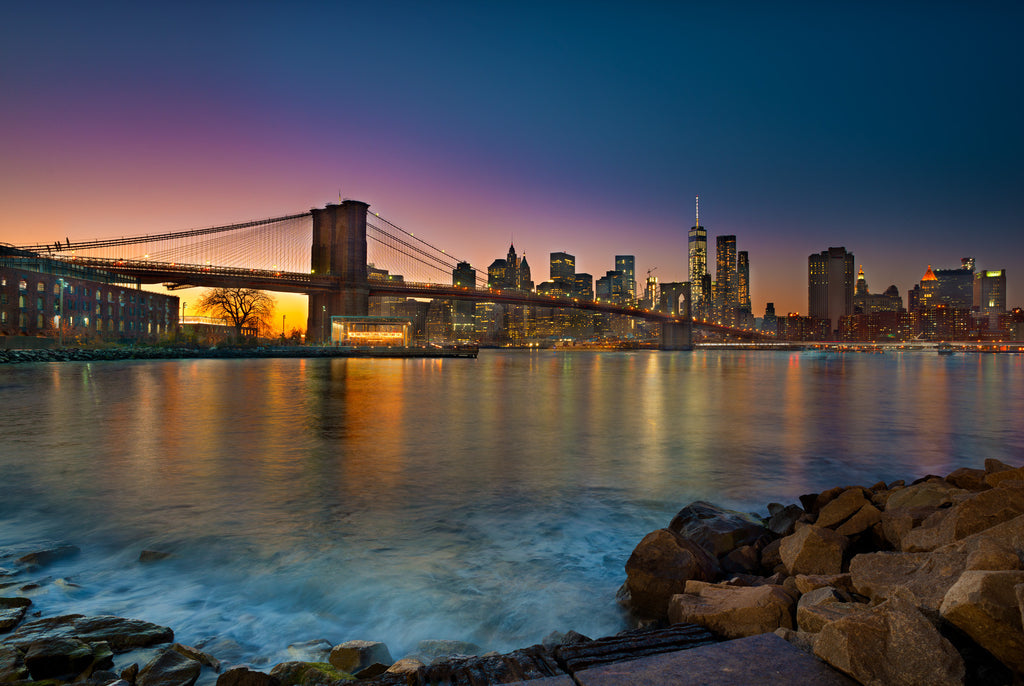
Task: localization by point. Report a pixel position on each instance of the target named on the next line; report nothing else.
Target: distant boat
(945, 349)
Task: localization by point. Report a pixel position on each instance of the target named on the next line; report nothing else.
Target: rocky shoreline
(919, 583)
(119, 354)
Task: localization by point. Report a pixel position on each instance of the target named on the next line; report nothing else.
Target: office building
(830, 285)
(726, 281)
(627, 265)
(698, 263)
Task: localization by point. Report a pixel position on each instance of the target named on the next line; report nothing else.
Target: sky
(892, 129)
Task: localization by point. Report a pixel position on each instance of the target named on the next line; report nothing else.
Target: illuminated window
(22, 285)
(3, 317)
(40, 286)
(39, 320)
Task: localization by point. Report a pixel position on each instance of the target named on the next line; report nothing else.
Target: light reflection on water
(493, 500)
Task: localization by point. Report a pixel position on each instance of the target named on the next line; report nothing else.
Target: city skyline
(891, 133)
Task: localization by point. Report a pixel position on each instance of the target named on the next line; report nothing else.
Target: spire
(698, 211)
(929, 275)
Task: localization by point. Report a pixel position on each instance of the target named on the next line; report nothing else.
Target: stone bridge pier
(339, 249)
(677, 335)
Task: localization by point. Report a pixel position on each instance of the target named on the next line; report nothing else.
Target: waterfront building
(726, 281)
(44, 297)
(830, 285)
(627, 265)
(373, 332)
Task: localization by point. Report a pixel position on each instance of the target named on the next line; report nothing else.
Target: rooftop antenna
(698, 210)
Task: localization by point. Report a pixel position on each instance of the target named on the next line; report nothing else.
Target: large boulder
(12, 664)
(122, 634)
(968, 479)
(243, 676)
(660, 566)
(976, 513)
(842, 507)
(169, 668)
(733, 611)
(353, 656)
(984, 605)
(892, 643)
(813, 550)
(317, 650)
(925, 494)
(11, 612)
(65, 658)
(817, 608)
(717, 529)
(309, 674)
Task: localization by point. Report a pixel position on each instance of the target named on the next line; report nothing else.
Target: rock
(153, 556)
(892, 643)
(999, 478)
(742, 560)
(408, 666)
(122, 634)
(103, 677)
(976, 513)
(983, 604)
(926, 494)
(821, 606)
(58, 658)
(169, 668)
(12, 664)
(770, 556)
(660, 566)
(130, 673)
(376, 669)
(431, 650)
(733, 611)
(993, 466)
(47, 556)
(813, 550)
(309, 674)
(862, 520)
(243, 676)
(897, 522)
(782, 521)
(805, 583)
(993, 556)
(199, 656)
(353, 656)
(841, 508)
(318, 650)
(968, 479)
(11, 612)
(716, 529)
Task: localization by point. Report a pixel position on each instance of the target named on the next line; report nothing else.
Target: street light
(323, 324)
(282, 325)
(60, 316)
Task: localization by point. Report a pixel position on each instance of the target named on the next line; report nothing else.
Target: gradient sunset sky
(893, 129)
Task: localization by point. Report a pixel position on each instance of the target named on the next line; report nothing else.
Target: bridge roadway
(191, 275)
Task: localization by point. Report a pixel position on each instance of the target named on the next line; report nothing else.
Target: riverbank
(891, 583)
(184, 353)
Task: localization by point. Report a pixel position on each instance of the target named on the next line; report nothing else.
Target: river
(492, 500)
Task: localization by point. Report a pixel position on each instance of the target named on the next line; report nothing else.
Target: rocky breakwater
(918, 583)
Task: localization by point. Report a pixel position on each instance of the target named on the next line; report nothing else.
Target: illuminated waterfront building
(698, 263)
(830, 285)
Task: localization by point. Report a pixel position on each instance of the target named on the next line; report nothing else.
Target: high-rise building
(727, 279)
(990, 292)
(770, 322)
(743, 279)
(583, 287)
(563, 269)
(651, 292)
(956, 286)
(627, 265)
(463, 311)
(612, 287)
(866, 302)
(698, 262)
(830, 285)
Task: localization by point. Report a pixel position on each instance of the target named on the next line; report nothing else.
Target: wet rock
(58, 658)
(353, 656)
(733, 611)
(432, 650)
(892, 643)
(122, 634)
(623, 646)
(783, 521)
(660, 566)
(103, 677)
(318, 650)
(199, 656)
(309, 674)
(170, 668)
(12, 664)
(243, 676)
(130, 673)
(47, 556)
(376, 669)
(983, 604)
(408, 666)
(153, 556)
(716, 529)
(813, 550)
(12, 610)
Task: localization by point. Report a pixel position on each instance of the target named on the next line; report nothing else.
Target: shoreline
(22, 356)
(830, 575)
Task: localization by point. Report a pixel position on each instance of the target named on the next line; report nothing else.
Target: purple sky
(587, 127)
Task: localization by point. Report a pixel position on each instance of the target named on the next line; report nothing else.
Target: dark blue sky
(579, 126)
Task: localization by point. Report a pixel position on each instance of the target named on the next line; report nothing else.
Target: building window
(23, 320)
(40, 286)
(3, 317)
(21, 301)
(39, 303)
(3, 298)
(39, 320)
(99, 295)
(22, 285)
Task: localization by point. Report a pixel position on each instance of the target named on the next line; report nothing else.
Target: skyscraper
(727, 278)
(698, 256)
(830, 285)
(743, 283)
(990, 292)
(627, 265)
(563, 269)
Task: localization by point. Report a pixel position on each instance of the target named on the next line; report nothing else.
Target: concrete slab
(764, 660)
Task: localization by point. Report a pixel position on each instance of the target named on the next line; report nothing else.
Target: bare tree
(242, 306)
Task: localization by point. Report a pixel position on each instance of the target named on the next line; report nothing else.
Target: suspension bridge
(339, 256)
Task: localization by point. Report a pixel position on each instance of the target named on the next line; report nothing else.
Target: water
(492, 501)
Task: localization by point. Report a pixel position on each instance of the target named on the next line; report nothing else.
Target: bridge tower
(339, 249)
(679, 335)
